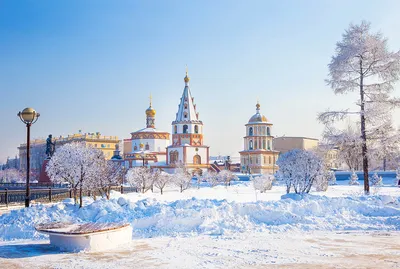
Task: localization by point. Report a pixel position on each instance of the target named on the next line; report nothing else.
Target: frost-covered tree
(111, 174)
(263, 182)
(299, 169)
(225, 177)
(322, 181)
(331, 178)
(182, 178)
(140, 178)
(211, 178)
(11, 175)
(76, 164)
(363, 63)
(161, 180)
(397, 180)
(376, 180)
(353, 179)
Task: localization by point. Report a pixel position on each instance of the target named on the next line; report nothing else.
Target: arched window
(264, 144)
(185, 115)
(147, 146)
(251, 131)
(269, 144)
(196, 159)
(175, 129)
(173, 156)
(196, 129)
(268, 131)
(251, 144)
(185, 105)
(185, 129)
(255, 145)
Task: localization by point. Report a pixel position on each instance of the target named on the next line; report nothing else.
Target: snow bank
(150, 217)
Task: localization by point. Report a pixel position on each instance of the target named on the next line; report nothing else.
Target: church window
(269, 159)
(175, 129)
(185, 129)
(264, 146)
(197, 159)
(251, 131)
(185, 105)
(196, 129)
(269, 144)
(185, 115)
(256, 159)
(265, 160)
(251, 144)
(268, 131)
(251, 160)
(255, 144)
(147, 147)
(173, 157)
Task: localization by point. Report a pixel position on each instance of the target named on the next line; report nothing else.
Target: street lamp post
(28, 116)
(143, 155)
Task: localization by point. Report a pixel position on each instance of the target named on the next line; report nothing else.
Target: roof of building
(296, 137)
(258, 117)
(187, 109)
(148, 130)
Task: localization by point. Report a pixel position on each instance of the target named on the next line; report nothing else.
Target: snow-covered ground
(222, 227)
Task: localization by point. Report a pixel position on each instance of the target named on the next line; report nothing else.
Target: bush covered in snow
(299, 169)
(376, 180)
(11, 175)
(332, 178)
(161, 180)
(322, 182)
(225, 177)
(210, 177)
(353, 179)
(263, 182)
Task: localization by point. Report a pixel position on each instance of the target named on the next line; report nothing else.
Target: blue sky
(91, 65)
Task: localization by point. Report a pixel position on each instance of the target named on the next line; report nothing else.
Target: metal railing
(49, 195)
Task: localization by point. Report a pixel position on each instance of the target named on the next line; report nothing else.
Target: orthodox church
(258, 155)
(187, 146)
(152, 148)
(147, 146)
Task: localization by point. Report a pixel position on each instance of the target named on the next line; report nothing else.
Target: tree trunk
(80, 197)
(363, 132)
(161, 189)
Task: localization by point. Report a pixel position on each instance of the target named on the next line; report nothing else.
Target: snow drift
(150, 218)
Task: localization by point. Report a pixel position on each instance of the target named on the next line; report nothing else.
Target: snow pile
(150, 217)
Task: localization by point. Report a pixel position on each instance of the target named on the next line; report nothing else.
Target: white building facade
(258, 155)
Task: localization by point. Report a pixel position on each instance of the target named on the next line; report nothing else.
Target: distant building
(38, 147)
(285, 143)
(259, 155)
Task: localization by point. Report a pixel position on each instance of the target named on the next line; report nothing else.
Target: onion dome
(150, 112)
(258, 117)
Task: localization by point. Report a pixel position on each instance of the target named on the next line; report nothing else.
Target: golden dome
(150, 112)
(187, 78)
(258, 117)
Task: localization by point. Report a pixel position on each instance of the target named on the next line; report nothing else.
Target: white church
(152, 148)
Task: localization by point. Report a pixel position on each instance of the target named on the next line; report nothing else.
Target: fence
(32, 185)
(50, 194)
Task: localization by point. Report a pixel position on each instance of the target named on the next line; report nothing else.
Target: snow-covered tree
(363, 63)
(225, 177)
(140, 178)
(376, 180)
(162, 179)
(397, 180)
(111, 174)
(353, 179)
(76, 164)
(322, 181)
(263, 182)
(182, 178)
(299, 169)
(331, 178)
(211, 178)
(11, 175)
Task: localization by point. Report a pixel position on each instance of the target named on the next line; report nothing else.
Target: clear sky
(91, 65)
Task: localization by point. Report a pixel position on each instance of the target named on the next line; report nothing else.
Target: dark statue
(50, 147)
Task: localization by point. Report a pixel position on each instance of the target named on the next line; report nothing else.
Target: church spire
(187, 78)
(150, 115)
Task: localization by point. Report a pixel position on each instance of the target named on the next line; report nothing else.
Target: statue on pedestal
(50, 147)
